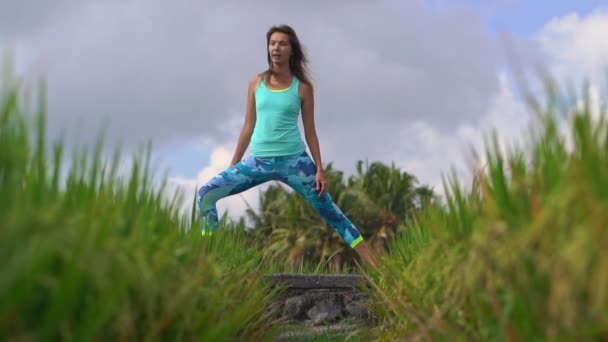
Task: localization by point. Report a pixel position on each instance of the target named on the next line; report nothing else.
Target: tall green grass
(89, 253)
(522, 254)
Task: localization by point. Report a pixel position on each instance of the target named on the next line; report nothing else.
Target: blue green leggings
(298, 171)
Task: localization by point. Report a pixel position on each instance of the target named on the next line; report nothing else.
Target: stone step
(318, 281)
(320, 304)
(330, 332)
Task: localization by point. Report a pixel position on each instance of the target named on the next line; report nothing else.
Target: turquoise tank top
(276, 130)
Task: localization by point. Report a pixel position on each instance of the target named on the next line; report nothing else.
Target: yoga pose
(275, 99)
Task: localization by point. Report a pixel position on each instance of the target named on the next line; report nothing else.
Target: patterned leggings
(297, 171)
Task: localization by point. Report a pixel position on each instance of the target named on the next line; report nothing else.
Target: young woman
(275, 99)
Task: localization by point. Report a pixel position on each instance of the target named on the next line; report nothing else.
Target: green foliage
(520, 255)
(378, 200)
(89, 253)
(94, 252)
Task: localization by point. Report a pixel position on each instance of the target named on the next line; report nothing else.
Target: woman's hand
(321, 182)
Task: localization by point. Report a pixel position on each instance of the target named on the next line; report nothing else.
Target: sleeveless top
(276, 130)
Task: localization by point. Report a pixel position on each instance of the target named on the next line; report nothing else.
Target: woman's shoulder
(305, 89)
(255, 81)
(257, 78)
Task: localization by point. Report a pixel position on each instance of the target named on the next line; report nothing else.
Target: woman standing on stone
(275, 99)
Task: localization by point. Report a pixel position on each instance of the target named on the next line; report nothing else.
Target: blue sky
(521, 17)
(184, 160)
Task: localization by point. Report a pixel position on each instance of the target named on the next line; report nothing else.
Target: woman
(275, 99)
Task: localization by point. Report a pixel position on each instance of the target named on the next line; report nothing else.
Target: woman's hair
(298, 62)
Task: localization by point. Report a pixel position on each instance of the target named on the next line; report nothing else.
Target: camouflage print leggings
(297, 171)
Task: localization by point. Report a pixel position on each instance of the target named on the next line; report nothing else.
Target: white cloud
(577, 46)
(173, 71)
(395, 81)
(429, 154)
(577, 50)
(424, 149)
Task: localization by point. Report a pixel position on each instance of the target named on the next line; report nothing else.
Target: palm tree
(392, 195)
(288, 228)
(377, 199)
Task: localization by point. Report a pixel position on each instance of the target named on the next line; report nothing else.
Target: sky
(416, 83)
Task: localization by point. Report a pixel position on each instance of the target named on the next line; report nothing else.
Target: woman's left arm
(310, 132)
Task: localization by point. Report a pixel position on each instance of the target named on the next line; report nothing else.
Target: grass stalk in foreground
(521, 255)
(90, 254)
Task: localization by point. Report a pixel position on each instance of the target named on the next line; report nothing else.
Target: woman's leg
(299, 174)
(236, 179)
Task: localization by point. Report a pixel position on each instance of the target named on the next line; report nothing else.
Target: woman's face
(279, 48)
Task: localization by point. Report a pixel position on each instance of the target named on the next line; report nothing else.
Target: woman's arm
(310, 132)
(249, 125)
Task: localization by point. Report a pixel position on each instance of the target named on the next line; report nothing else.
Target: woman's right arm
(248, 126)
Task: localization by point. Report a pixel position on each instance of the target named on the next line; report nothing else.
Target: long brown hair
(298, 62)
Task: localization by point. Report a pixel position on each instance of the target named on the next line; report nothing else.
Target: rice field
(93, 254)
